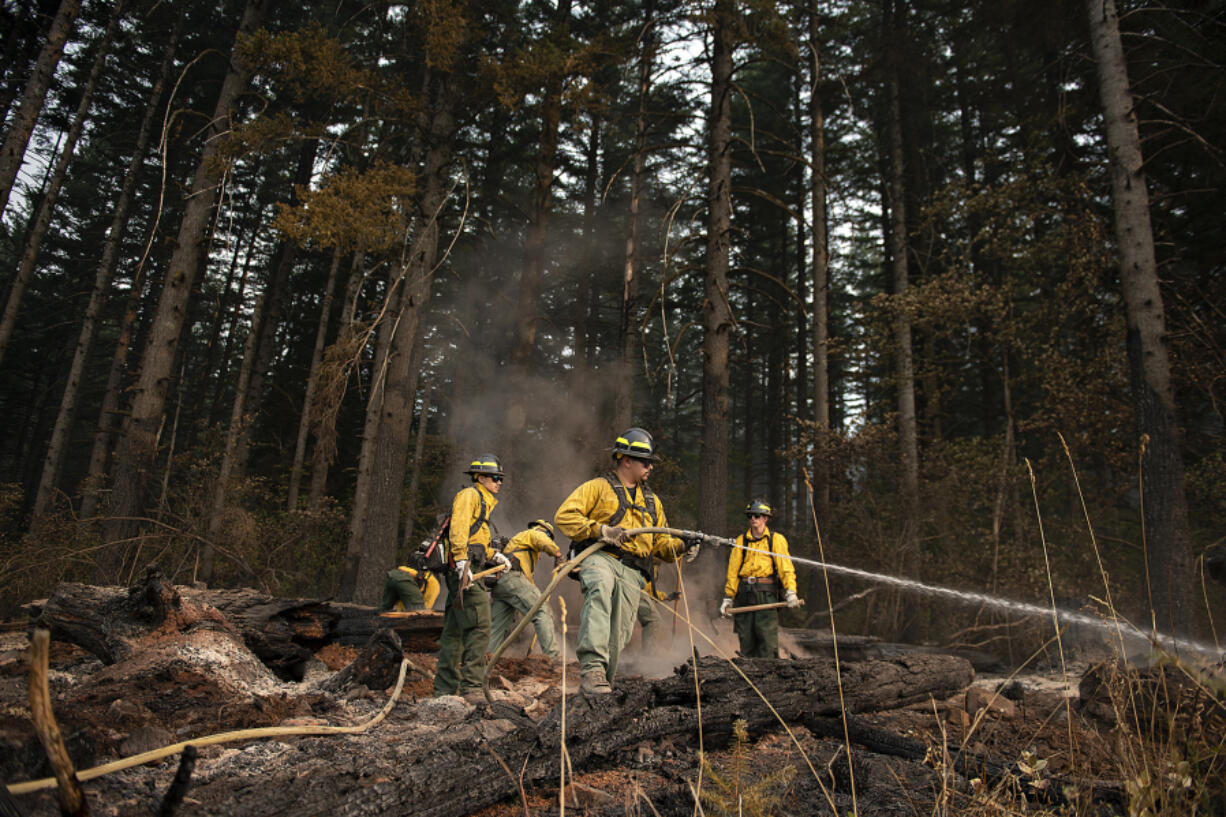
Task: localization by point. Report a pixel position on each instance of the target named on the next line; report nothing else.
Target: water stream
(1124, 633)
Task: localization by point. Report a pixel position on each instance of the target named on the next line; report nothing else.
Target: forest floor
(1039, 740)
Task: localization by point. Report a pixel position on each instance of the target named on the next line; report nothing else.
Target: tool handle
(753, 608)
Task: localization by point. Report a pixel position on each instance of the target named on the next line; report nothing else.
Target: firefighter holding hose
(759, 576)
(466, 619)
(612, 578)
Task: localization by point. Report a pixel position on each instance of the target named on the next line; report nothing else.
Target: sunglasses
(495, 477)
(759, 516)
(644, 463)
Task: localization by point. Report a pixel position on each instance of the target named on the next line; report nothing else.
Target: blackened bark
(716, 309)
(13, 151)
(137, 451)
(1164, 502)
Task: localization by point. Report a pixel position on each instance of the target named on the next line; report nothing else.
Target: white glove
(501, 559)
(692, 553)
(613, 533)
(461, 569)
(790, 598)
(723, 608)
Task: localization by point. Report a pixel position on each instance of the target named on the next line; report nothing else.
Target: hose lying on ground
(220, 737)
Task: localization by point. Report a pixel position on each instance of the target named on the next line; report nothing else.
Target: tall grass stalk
(834, 640)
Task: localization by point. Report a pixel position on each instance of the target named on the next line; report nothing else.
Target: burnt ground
(1037, 721)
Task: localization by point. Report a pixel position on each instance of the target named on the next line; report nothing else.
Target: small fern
(733, 793)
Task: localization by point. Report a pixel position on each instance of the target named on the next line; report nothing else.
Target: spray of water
(1114, 626)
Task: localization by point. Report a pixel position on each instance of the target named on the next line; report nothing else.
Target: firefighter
(410, 588)
(515, 590)
(755, 578)
(611, 579)
(466, 617)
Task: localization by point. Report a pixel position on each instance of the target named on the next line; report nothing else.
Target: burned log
(376, 667)
(113, 622)
(463, 767)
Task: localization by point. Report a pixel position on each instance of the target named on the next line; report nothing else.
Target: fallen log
(114, 622)
(464, 767)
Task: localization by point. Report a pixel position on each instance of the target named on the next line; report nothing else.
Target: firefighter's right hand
(461, 570)
(614, 533)
(723, 608)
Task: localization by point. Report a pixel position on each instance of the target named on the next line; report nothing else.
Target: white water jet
(1114, 625)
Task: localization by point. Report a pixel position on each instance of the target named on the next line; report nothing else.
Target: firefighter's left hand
(501, 559)
(692, 547)
(791, 599)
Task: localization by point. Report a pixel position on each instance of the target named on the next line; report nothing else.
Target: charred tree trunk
(13, 152)
(908, 436)
(464, 771)
(374, 534)
(42, 221)
(528, 309)
(1165, 506)
(419, 447)
(308, 398)
(137, 450)
(716, 309)
(628, 333)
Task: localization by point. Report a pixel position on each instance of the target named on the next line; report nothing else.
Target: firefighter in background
(756, 578)
(466, 617)
(409, 587)
(611, 579)
(516, 591)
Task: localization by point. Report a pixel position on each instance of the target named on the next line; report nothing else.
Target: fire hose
(566, 567)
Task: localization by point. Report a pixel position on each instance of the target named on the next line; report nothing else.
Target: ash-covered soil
(1036, 720)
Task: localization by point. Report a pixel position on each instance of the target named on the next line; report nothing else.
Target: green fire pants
(611, 592)
(651, 622)
(758, 631)
(401, 587)
(465, 640)
(515, 592)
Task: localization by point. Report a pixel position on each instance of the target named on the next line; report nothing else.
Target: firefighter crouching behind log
(466, 618)
(612, 579)
(515, 590)
(410, 587)
(755, 578)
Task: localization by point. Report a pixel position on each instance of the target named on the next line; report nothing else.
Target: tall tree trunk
(419, 448)
(270, 316)
(821, 267)
(628, 346)
(137, 450)
(716, 309)
(1165, 509)
(583, 292)
(238, 421)
(42, 221)
(908, 436)
(102, 283)
(13, 152)
(373, 537)
(326, 408)
(308, 398)
(528, 307)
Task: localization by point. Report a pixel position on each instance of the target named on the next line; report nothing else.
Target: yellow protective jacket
(745, 564)
(426, 582)
(594, 503)
(527, 546)
(465, 509)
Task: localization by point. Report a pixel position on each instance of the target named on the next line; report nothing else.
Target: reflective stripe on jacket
(594, 502)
